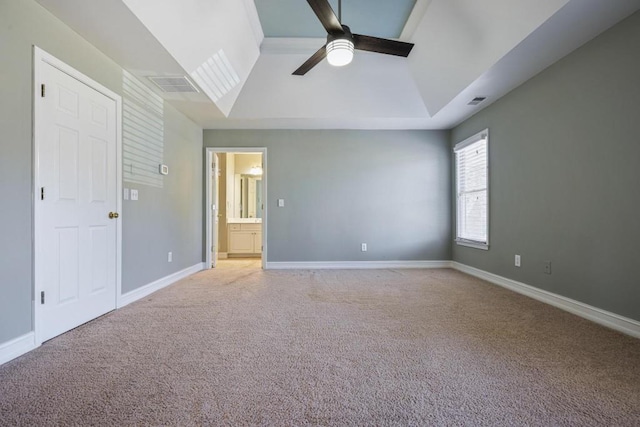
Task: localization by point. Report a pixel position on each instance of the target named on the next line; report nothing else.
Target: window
(472, 191)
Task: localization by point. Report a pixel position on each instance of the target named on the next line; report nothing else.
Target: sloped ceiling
(197, 32)
(463, 49)
(458, 40)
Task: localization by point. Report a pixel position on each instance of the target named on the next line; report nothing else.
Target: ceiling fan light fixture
(340, 52)
(341, 42)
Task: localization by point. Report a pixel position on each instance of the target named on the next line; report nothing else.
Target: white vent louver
(216, 76)
(173, 84)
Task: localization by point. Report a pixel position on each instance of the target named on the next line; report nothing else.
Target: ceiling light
(340, 48)
(340, 52)
(256, 170)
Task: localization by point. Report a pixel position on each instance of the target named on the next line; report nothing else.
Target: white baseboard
(152, 287)
(355, 265)
(223, 255)
(25, 343)
(597, 315)
(17, 347)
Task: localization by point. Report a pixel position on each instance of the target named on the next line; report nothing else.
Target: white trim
(414, 20)
(152, 287)
(355, 265)
(210, 230)
(223, 255)
(40, 57)
(483, 134)
(265, 198)
(597, 315)
(472, 244)
(17, 347)
(254, 21)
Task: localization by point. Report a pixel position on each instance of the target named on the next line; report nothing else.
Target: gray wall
(564, 175)
(389, 189)
(167, 219)
(162, 220)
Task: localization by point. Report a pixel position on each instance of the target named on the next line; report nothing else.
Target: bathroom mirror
(249, 192)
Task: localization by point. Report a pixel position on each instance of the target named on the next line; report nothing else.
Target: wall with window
(564, 162)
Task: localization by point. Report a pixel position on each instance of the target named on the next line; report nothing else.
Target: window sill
(475, 245)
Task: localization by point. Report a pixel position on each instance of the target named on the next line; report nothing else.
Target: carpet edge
(355, 265)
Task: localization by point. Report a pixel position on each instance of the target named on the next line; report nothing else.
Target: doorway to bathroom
(236, 190)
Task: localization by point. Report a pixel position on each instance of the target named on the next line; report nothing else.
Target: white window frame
(459, 146)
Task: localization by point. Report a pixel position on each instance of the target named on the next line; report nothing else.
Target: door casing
(213, 159)
(208, 154)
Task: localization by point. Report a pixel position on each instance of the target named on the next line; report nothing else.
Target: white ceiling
(463, 49)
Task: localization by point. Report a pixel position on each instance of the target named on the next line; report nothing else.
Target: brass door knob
(113, 215)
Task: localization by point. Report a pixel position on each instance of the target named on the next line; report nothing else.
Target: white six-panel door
(76, 239)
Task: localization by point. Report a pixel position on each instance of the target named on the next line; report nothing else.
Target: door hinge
(42, 297)
(42, 90)
(41, 193)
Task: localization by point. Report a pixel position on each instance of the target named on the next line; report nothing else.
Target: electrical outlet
(170, 257)
(547, 267)
(134, 194)
(517, 261)
(364, 247)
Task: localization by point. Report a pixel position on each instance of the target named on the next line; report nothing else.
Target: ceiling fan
(341, 42)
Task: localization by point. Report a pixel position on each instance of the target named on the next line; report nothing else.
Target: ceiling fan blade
(375, 44)
(311, 62)
(326, 15)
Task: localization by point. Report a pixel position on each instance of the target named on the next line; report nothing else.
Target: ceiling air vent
(173, 84)
(477, 100)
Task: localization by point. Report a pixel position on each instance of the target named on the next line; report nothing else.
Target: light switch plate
(126, 194)
(280, 203)
(134, 194)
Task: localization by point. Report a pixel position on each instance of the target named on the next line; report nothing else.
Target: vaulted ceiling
(240, 54)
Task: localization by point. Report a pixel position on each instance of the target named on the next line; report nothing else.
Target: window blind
(472, 189)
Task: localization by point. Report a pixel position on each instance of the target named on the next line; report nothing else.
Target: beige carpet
(238, 346)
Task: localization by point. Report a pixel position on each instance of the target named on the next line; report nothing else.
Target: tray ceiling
(463, 49)
(294, 18)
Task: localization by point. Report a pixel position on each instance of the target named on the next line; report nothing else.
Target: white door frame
(265, 201)
(213, 159)
(40, 57)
